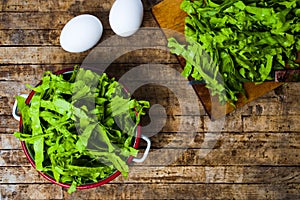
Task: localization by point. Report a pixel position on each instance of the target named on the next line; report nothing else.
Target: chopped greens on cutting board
(77, 131)
(231, 42)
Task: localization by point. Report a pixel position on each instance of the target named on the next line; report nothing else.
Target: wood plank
(290, 89)
(38, 55)
(30, 191)
(32, 20)
(271, 106)
(72, 6)
(155, 191)
(56, 19)
(282, 123)
(15, 88)
(28, 73)
(190, 191)
(222, 141)
(230, 123)
(204, 174)
(258, 155)
(20, 174)
(48, 37)
(171, 17)
(29, 37)
(56, 55)
(177, 174)
(13, 158)
(213, 157)
(226, 141)
(8, 124)
(9, 141)
(6, 104)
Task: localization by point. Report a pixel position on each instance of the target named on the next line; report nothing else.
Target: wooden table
(254, 154)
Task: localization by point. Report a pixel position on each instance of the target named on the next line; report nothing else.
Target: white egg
(81, 33)
(126, 17)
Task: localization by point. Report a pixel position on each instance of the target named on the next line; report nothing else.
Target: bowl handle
(15, 108)
(142, 159)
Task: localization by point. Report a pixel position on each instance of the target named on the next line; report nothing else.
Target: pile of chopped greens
(234, 41)
(79, 127)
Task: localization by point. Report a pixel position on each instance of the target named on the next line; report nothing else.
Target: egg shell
(126, 16)
(81, 33)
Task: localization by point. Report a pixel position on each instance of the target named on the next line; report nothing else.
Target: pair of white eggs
(84, 31)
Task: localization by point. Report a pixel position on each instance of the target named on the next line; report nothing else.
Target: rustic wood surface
(252, 153)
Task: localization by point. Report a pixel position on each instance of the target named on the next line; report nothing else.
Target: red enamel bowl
(112, 176)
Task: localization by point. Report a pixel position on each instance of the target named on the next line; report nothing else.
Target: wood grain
(164, 191)
(46, 37)
(220, 141)
(176, 174)
(56, 55)
(30, 191)
(66, 6)
(157, 191)
(55, 20)
(73, 6)
(257, 155)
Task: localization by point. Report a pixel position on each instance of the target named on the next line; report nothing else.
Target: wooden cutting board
(169, 16)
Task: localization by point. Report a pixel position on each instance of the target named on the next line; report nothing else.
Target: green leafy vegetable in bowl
(79, 126)
(234, 41)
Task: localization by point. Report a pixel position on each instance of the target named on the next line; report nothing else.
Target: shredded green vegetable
(234, 41)
(77, 131)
